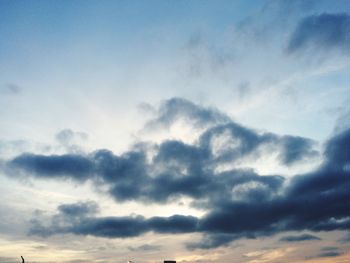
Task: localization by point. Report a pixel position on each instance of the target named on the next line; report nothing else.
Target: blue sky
(122, 113)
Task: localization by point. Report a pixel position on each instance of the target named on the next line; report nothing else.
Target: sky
(196, 131)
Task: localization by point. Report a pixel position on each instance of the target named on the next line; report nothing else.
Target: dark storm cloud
(304, 237)
(196, 158)
(333, 174)
(117, 227)
(110, 227)
(71, 219)
(67, 166)
(260, 210)
(322, 31)
(239, 203)
(318, 201)
(177, 169)
(126, 174)
(173, 224)
(182, 170)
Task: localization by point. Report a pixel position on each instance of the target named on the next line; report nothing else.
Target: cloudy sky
(199, 131)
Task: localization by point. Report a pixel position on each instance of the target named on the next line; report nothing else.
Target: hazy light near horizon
(199, 131)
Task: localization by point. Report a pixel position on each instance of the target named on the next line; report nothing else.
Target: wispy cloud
(325, 31)
(10, 89)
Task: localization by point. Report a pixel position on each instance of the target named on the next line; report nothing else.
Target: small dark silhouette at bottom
(165, 261)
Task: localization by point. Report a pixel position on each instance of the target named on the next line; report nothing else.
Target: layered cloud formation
(238, 202)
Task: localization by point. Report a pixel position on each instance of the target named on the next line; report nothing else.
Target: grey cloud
(345, 239)
(67, 136)
(14, 146)
(304, 237)
(329, 248)
(212, 241)
(295, 149)
(330, 254)
(145, 248)
(327, 254)
(10, 89)
(247, 141)
(79, 209)
(71, 141)
(323, 31)
(177, 108)
(244, 89)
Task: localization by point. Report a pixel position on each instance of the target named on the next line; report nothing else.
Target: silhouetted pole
(22, 259)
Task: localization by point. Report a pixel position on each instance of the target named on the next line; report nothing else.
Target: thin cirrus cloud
(239, 203)
(10, 89)
(145, 248)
